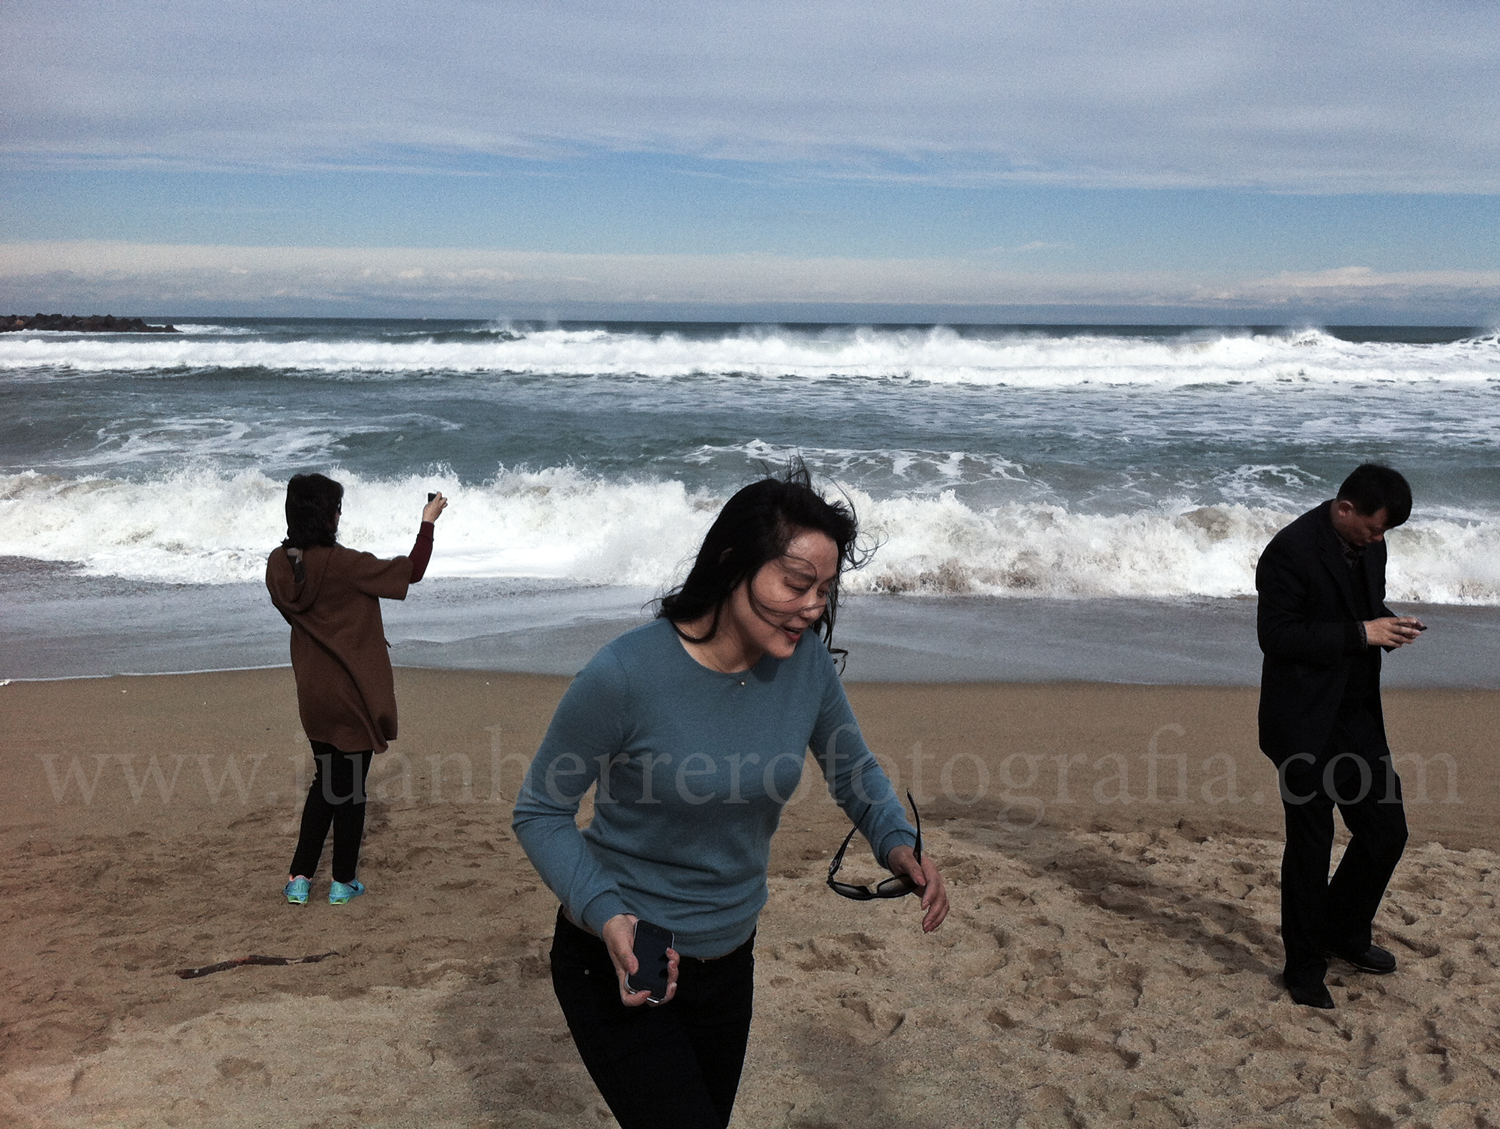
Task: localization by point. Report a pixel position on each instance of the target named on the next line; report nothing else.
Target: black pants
(334, 799)
(676, 1066)
(1319, 915)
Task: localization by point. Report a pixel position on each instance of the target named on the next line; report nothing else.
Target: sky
(1156, 161)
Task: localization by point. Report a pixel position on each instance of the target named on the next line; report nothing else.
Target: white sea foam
(273, 440)
(934, 355)
(200, 328)
(206, 527)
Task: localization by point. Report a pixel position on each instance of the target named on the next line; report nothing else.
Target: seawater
(992, 463)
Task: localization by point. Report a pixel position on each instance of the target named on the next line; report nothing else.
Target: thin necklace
(705, 657)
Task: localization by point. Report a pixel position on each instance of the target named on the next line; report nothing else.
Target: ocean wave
(910, 470)
(202, 329)
(208, 527)
(940, 355)
(273, 440)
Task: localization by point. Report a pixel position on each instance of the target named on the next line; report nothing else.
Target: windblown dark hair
(1372, 487)
(312, 511)
(754, 528)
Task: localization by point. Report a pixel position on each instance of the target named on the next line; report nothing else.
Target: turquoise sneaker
(340, 892)
(296, 891)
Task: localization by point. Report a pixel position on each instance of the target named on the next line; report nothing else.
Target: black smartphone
(651, 945)
(430, 497)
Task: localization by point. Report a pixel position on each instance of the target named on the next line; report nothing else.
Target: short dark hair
(1373, 488)
(754, 528)
(312, 511)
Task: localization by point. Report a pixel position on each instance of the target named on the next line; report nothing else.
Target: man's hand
(1393, 630)
(433, 509)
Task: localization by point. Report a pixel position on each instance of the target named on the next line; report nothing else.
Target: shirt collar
(1352, 554)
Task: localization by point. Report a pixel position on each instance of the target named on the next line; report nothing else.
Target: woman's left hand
(903, 860)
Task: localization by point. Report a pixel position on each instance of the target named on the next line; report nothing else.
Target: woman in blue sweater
(693, 730)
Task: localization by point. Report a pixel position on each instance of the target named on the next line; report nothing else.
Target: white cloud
(120, 276)
(1391, 95)
(1028, 248)
(1357, 285)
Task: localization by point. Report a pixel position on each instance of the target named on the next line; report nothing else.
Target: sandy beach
(1111, 958)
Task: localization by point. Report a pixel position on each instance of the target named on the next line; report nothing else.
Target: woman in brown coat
(346, 695)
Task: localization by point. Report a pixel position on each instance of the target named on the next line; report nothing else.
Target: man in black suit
(1322, 622)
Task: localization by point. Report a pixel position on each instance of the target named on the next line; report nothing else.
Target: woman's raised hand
(619, 939)
(903, 860)
(431, 510)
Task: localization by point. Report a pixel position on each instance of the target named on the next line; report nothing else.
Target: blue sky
(1061, 161)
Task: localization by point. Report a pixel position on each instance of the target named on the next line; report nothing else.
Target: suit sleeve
(1282, 621)
(589, 724)
(1380, 595)
(855, 778)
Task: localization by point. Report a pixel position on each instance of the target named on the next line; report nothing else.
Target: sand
(1111, 958)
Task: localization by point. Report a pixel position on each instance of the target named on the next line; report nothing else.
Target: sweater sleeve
(855, 778)
(421, 552)
(589, 725)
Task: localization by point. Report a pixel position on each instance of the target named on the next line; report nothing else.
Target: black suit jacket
(1308, 625)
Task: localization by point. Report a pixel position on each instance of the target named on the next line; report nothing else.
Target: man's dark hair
(1373, 487)
(312, 511)
(755, 527)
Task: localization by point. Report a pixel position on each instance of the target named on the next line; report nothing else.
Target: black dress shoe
(1374, 959)
(1313, 995)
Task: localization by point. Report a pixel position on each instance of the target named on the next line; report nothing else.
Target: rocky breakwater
(14, 323)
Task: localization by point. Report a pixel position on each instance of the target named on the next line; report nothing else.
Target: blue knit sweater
(692, 769)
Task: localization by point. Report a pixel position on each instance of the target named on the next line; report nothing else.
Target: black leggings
(676, 1066)
(334, 799)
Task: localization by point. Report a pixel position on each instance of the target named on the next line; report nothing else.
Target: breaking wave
(936, 355)
(203, 526)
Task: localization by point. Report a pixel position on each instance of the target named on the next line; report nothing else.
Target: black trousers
(1319, 915)
(333, 800)
(676, 1066)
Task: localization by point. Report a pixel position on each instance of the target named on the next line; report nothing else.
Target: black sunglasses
(896, 886)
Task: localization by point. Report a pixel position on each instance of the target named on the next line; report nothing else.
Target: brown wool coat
(346, 694)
